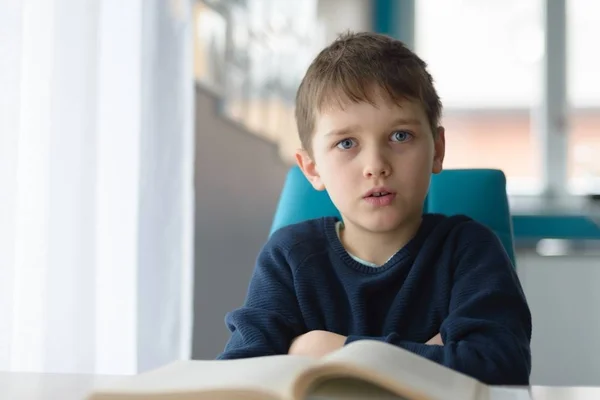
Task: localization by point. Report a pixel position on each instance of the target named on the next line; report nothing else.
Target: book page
(396, 370)
(269, 377)
(350, 389)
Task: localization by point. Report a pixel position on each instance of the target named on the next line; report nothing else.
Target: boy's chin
(381, 224)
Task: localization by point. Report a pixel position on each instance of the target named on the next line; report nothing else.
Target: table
(572, 218)
(32, 386)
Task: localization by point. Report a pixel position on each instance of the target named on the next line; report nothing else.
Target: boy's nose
(377, 168)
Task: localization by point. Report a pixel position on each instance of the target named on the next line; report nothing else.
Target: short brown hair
(352, 66)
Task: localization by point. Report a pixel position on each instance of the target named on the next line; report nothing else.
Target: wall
(238, 181)
(563, 296)
(342, 15)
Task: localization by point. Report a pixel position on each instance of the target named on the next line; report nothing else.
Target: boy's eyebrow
(349, 130)
(406, 121)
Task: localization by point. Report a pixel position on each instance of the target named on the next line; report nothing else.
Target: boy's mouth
(379, 196)
(379, 192)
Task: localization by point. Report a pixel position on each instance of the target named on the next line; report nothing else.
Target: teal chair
(477, 193)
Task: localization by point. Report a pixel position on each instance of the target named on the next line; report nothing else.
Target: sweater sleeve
(270, 317)
(487, 333)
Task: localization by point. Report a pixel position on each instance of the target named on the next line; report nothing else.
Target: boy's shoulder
(302, 237)
(459, 229)
(297, 241)
(458, 232)
(461, 235)
(453, 223)
(314, 233)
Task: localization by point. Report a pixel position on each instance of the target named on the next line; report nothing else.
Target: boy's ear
(440, 150)
(309, 169)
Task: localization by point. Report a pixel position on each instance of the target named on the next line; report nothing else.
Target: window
(485, 57)
(269, 45)
(583, 64)
(209, 45)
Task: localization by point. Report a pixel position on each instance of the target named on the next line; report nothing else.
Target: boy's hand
(436, 340)
(316, 343)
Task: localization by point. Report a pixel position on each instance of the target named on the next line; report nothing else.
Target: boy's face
(384, 148)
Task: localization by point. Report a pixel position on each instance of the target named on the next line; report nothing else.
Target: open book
(285, 377)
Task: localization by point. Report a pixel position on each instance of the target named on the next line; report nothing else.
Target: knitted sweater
(452, 278)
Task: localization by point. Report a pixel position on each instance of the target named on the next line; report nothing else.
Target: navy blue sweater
(453, 278)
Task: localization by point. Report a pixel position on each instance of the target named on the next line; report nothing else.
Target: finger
(437, 339)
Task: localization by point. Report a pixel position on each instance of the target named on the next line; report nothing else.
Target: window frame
(550, 118)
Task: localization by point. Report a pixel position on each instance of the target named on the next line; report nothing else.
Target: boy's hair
(353, 68)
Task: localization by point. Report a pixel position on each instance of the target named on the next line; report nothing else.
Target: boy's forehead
(340, 98)
(405, 107)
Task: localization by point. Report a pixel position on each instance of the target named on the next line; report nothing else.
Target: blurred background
(144, 145)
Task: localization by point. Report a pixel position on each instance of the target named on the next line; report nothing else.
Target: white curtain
(96, 175)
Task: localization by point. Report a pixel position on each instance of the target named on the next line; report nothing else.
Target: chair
(477, 193)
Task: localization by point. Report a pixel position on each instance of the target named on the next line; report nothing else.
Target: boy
(441, 287)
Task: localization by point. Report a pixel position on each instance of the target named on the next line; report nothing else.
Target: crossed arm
(320, 343)
(486, 334)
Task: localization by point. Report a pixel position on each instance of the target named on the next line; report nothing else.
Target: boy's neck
(377, 248)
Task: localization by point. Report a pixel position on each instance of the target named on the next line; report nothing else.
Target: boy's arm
(488, 330)
(270, 318)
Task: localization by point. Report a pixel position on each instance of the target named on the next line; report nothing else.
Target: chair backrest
(477, 193)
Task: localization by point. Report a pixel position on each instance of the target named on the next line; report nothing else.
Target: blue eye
(401, 136)
(345, 144)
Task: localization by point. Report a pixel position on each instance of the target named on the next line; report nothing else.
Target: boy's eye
(345, 144)
(401, 136)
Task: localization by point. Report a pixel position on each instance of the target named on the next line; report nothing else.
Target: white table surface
(34, 386)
